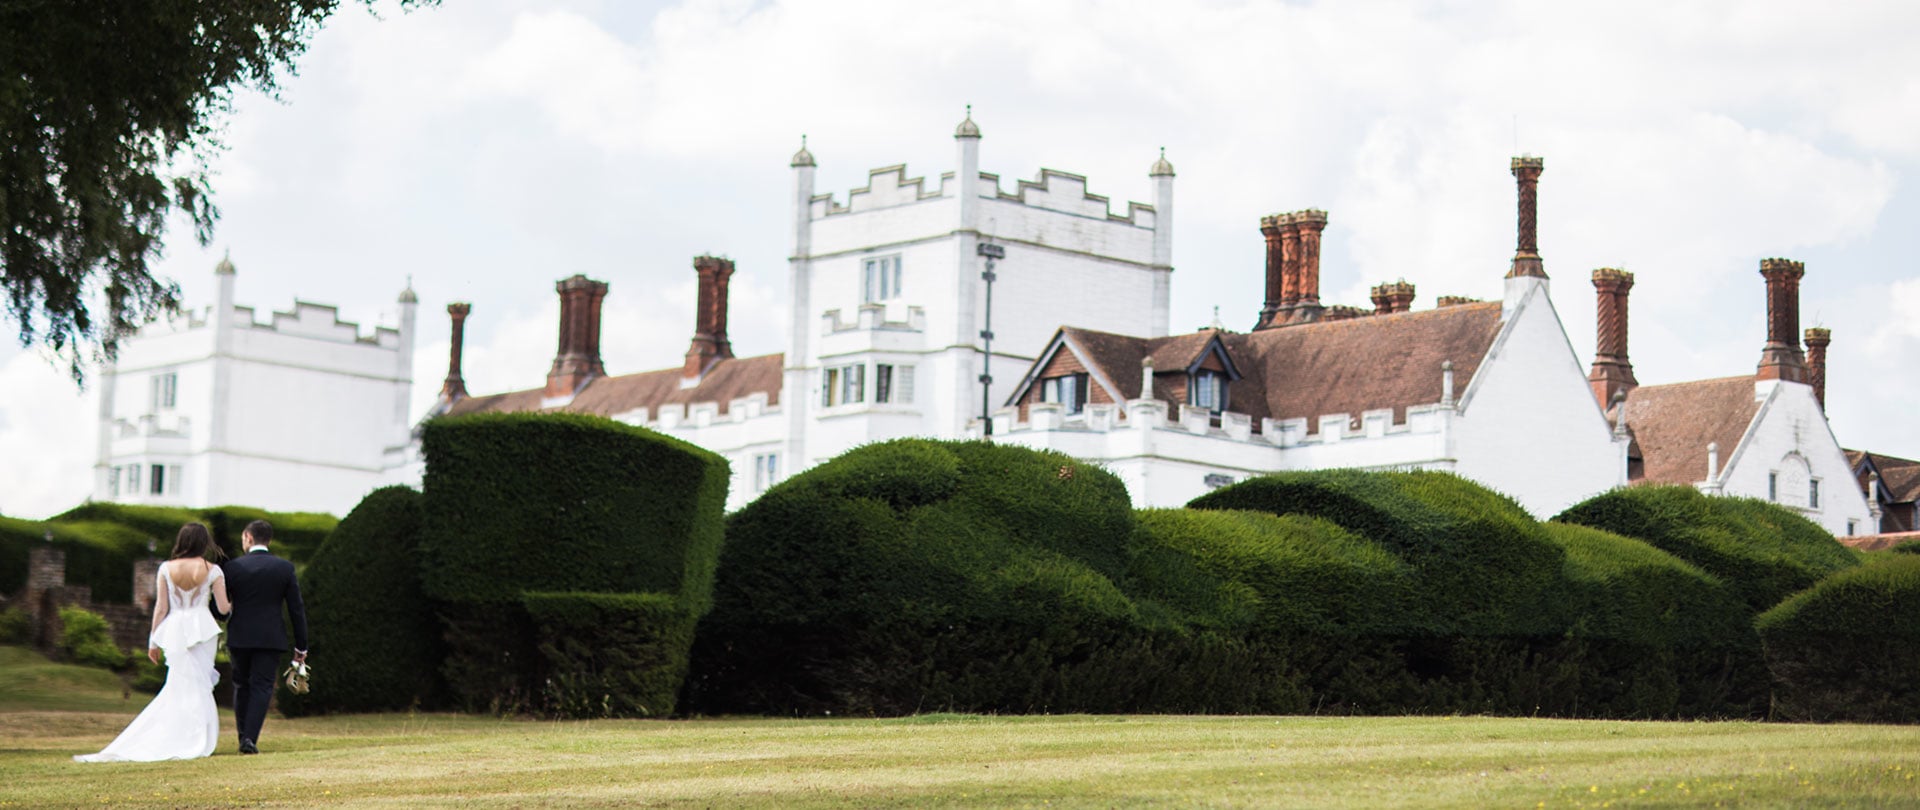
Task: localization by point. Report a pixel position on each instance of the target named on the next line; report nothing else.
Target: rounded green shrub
(16, 627)
(1270, 574)
(611, 654)
(87, 639)
(915, 575)
(1762, 551)
(1481, 564)
(1627, 590)
(375, 639)
(532, 502)
(1907, 547)
(1848, 648)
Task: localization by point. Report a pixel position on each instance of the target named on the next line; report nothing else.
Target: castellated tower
(890, 309)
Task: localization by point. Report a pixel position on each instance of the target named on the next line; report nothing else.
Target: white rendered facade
(1525, 424)
(1789, 456)
(1057, 238)
(301, 412)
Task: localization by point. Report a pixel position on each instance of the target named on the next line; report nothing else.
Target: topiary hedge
(376, 640)
(919, 575)
(611, 655)
(1624, 589)
(1848, 648)
(518, 503)
(1481, 564)
(296, 535)
(99, 556)
(1762, 551)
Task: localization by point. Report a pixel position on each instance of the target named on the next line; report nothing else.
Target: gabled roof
(1672, 424)
(1900, 477)
(726, 380)
(1307, 370)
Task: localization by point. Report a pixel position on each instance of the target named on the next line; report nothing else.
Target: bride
(181, 722)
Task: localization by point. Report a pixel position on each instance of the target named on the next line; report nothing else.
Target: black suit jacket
(258, 583)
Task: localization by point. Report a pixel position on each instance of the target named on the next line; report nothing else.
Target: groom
(258, 583)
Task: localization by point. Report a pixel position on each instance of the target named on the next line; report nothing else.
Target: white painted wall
(298, 411)
(1530, 427)
(1790, 437)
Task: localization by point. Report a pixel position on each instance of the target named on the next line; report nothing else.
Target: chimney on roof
(1453, 301)
(578, 359)
(1780, 359)
(1289, 267)
(1270, 229)
(1612, 372)
(1399, 296)
(1817, 340)
(455, 388)
(1382, 304)
(710, 344)
(1526, 255)
(1309, 224)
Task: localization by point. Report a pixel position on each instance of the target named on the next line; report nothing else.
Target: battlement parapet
(1051, 190)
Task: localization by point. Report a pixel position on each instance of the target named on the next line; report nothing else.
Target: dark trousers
(253, 673)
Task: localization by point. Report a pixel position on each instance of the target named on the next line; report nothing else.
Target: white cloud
(46, 438)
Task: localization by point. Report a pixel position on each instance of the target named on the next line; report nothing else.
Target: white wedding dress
(181, 722)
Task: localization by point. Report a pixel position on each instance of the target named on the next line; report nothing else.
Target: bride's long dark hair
(194, 541)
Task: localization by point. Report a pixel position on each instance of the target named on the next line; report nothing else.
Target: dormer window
(1209, 390)
(880, 279)
(1069, 390)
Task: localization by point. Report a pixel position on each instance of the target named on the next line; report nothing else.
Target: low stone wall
(47, 592)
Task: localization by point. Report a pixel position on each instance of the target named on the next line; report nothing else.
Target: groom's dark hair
(261, 532)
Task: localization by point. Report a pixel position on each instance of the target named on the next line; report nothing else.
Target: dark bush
(1626, 590)
(611, 655)
(16, 626)
(295, 534)
(1481, 564)
(1907, 547)
(918, 575)
(1848, 648)
(99, 556)
(518, 503)
(1762, 551)
(367, 617)
(87, 639)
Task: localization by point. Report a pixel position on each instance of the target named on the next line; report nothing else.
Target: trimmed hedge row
(1482, 565)
(367, 616)
(559, 503)
(99, 555)
(1761, 551)
(612, 654)
(1848, 648)
(296, 535)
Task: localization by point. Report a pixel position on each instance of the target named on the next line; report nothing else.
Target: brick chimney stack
(578, 359)
(1526, 256)
(455, 388)
(1382, 303)
(1309, 224)
(1780, 359)
(1817, 340)
(1289, 267)
(1612, 372)
(1399, 296)
(1270, 229)
(710, 343)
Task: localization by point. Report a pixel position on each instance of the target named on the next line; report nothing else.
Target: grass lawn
(49, 712)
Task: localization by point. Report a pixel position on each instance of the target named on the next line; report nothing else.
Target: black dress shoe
(246, 747)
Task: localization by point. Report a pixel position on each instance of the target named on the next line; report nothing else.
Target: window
(1773, 486)
(1813, 494)
(1209, 391)
(157, 480)
(881, 279)
(165, 387)
(766, 470)
(1852, 528)
(113, 482)
(843, 385)
(892, 383)
(133, 479)
(1069, 390)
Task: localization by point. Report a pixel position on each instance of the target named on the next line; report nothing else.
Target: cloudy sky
(486, 148)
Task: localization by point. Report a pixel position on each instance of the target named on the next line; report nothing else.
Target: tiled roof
(1902, 483)
(1306, 370)
(1672, 424)
(1878, 542)
(727, 380)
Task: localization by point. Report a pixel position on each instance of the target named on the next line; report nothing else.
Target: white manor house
(890, 336)
(299, 411)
